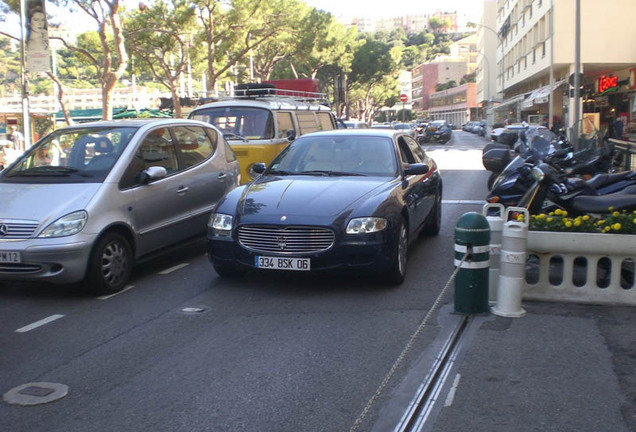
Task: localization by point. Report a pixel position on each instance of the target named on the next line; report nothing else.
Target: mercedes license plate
(279, 263)
(10, 257)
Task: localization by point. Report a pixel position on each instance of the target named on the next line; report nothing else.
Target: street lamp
(488, 97)
(500, 40)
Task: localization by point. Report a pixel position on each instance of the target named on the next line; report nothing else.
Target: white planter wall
(588, 281)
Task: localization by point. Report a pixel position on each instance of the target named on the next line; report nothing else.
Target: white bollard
(512, 268)
(495, 216)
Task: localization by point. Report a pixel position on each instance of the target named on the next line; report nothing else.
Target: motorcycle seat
(628, 190)
(602, 179)
(601, 204)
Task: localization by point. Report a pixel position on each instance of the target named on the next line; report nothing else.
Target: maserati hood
(305, 196)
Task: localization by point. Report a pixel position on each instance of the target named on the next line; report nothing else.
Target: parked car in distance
(334, 200)
(510, 134)
(351, 124)
(404, 127)
(88, 201)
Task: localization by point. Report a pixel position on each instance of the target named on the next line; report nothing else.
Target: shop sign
(601, 101)
(606, 83)
(591, 122)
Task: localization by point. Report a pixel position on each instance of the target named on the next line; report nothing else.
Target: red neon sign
(607, 82)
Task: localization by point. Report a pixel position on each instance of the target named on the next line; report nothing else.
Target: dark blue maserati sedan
(350, 199)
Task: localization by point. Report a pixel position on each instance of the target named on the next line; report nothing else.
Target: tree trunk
(60, 98)
(108, 84)
(175, 100)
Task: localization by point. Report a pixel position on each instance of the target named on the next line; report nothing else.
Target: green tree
(111, 60)
(324, 42)
(438, 24)
(9, 67)
(155, 35)
(229, 34)
(284, 44)
(372, 83)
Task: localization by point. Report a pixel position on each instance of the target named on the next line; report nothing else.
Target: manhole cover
(35, 393)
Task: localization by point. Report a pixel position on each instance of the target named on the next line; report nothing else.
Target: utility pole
(577, 75)
(24, 84)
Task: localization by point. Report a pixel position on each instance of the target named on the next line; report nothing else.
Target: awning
(540, 95)
(86, 115)
(510, 101)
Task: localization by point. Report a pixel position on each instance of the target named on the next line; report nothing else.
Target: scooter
(432, 134)
(513, 182)
(601, 195)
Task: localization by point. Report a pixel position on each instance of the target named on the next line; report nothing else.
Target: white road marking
(172, 269)
(451, 393)
(106, 297)
(471, 202)
(39, 323)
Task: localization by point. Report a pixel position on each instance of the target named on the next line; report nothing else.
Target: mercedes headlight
(66, 226)
(366, 225)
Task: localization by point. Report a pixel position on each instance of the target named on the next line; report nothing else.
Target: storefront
(609, 101)
(40, 119)
(509, 111)
(630, 127)
(535, 107)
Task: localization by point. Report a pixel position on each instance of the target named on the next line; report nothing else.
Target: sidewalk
(562, 367)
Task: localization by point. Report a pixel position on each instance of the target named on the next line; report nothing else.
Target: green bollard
(472, 236)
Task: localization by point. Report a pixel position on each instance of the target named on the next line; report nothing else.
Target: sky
(348, 9)
(390, 8)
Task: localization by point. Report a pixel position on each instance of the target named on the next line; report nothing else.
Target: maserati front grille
(293, 239)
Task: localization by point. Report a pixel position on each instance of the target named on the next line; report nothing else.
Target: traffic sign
(404, 97)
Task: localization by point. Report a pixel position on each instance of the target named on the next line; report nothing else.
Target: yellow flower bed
(614, 222)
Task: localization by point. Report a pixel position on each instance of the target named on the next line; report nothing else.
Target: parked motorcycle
(497, 155)
(516, 179)
(602, 194)
(437, 132)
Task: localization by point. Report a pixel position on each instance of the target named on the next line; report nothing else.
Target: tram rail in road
(421, 407)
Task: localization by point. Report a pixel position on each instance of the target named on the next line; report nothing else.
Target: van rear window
(307, 122)
(325, 121)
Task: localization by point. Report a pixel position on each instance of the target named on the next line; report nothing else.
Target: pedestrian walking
(17, 138)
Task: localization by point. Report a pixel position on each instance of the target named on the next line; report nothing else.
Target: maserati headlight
(66, 226)
(366, 225)
(220, 224)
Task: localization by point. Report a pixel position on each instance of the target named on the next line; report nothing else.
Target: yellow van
(259, 125)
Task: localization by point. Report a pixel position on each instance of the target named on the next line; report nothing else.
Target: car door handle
(222, 176)
(182, 190)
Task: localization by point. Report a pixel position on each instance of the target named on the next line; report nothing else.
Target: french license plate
(278, 263)
(10, 257)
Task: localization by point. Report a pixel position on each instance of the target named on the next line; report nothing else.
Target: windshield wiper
(329, 173)
(230, 135)
(43, 171)
(279, 172)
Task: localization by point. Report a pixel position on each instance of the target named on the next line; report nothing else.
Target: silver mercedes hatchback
(88, 201)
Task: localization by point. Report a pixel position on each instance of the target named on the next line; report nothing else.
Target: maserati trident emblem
(282, 242)
(3, 230)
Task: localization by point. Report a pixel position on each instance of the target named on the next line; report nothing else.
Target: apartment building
(453, 105)
(424, 79)
(536, 57)
(487, 68)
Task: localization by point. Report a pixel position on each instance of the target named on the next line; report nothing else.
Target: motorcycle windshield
(540, 142)
(513, 167)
